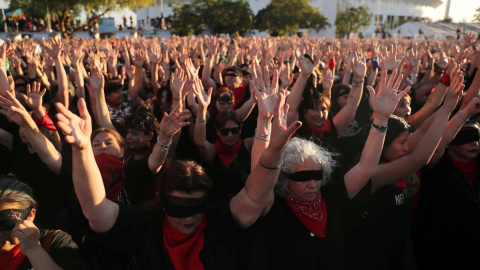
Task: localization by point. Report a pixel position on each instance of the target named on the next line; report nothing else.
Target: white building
(386, 13)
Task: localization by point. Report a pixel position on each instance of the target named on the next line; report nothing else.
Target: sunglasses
(225, 131)
(225, 102)
(231, 75)
(20, 85)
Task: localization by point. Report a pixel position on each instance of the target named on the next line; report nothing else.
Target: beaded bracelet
(201, 122)
(259, 135)
(379, 128)
(463, 118)
(357, 82)
(163, 145)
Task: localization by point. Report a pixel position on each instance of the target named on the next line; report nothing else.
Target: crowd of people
(239, 153)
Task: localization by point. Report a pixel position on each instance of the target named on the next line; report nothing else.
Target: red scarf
(227, 155)
(469, 169)
(313, 215)
(184, 250)
(112, 171)
(145, 152)
(12, 258)
(46, 121)
(319, 131)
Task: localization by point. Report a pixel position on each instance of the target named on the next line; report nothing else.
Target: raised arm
(170, 125)
(257, 197)
(12, 108)
(55, 52)
(266, 94)
(100, 212)
(207, 150)
(397, 169)
(346, 115)
(33, 99)
(383, 101)
(295, 96)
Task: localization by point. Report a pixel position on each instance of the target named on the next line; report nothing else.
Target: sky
(460, 10)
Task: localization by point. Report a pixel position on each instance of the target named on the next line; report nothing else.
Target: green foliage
(63, 8)
(282, 17)
(476, 17)
(352, 20)
(220, 16)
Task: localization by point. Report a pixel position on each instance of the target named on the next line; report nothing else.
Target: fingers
(392, 79)
(404, 92)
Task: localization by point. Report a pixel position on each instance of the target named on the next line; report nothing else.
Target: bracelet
(463, 118)
(445, 80)
(201, 122)
(261, 135)
(379, 128)
(357, 82)
(163, 145)
(270, 168)
(262, 138)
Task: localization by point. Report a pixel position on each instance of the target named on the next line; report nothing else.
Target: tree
(282, 17)
(476, 17)
(351, 20)
(62, 9)
(220, 16)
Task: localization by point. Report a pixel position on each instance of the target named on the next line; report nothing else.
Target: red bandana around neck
(469, 169)
(319, 131)
(184, 250)
(12, 258)
(227, 155)
(112, 171)
(145, 152)
(313, 215)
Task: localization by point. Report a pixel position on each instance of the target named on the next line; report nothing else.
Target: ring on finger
(394, 90)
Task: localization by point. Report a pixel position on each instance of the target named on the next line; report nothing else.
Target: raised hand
(359, 66)
(77, 130)
(385, 98)
(13, 109)
(34, 96)
(266, 94)
(327, 80)
(177, 82)
(173, 122)
(280, 132)
(286, 77)
(389, 58)
(96, 79)
(203, 98)
(191, 70)
(56, 48)
(454, 91)
(77, 57)
(155, 55)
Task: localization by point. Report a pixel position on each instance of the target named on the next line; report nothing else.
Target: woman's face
(403, 109)
(305, 191)
(464, 152)
(342, 100)
(232, 80)
(397, 149)
(190, 224)
(229, 133)
(224, 102)
(316, 117)
(7, 242)
(138, 140)
(106, 143)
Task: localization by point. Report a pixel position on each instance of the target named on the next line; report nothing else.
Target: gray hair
(14, 191)
(296, 153)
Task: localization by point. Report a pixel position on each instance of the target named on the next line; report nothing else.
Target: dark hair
(186, 176)
(225, 116)
(236, 70)
(142, 120)
(311, 99)
(14, 191)
(112, 86)
(396, 126)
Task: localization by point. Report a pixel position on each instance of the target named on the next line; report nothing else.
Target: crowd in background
(168, 152)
